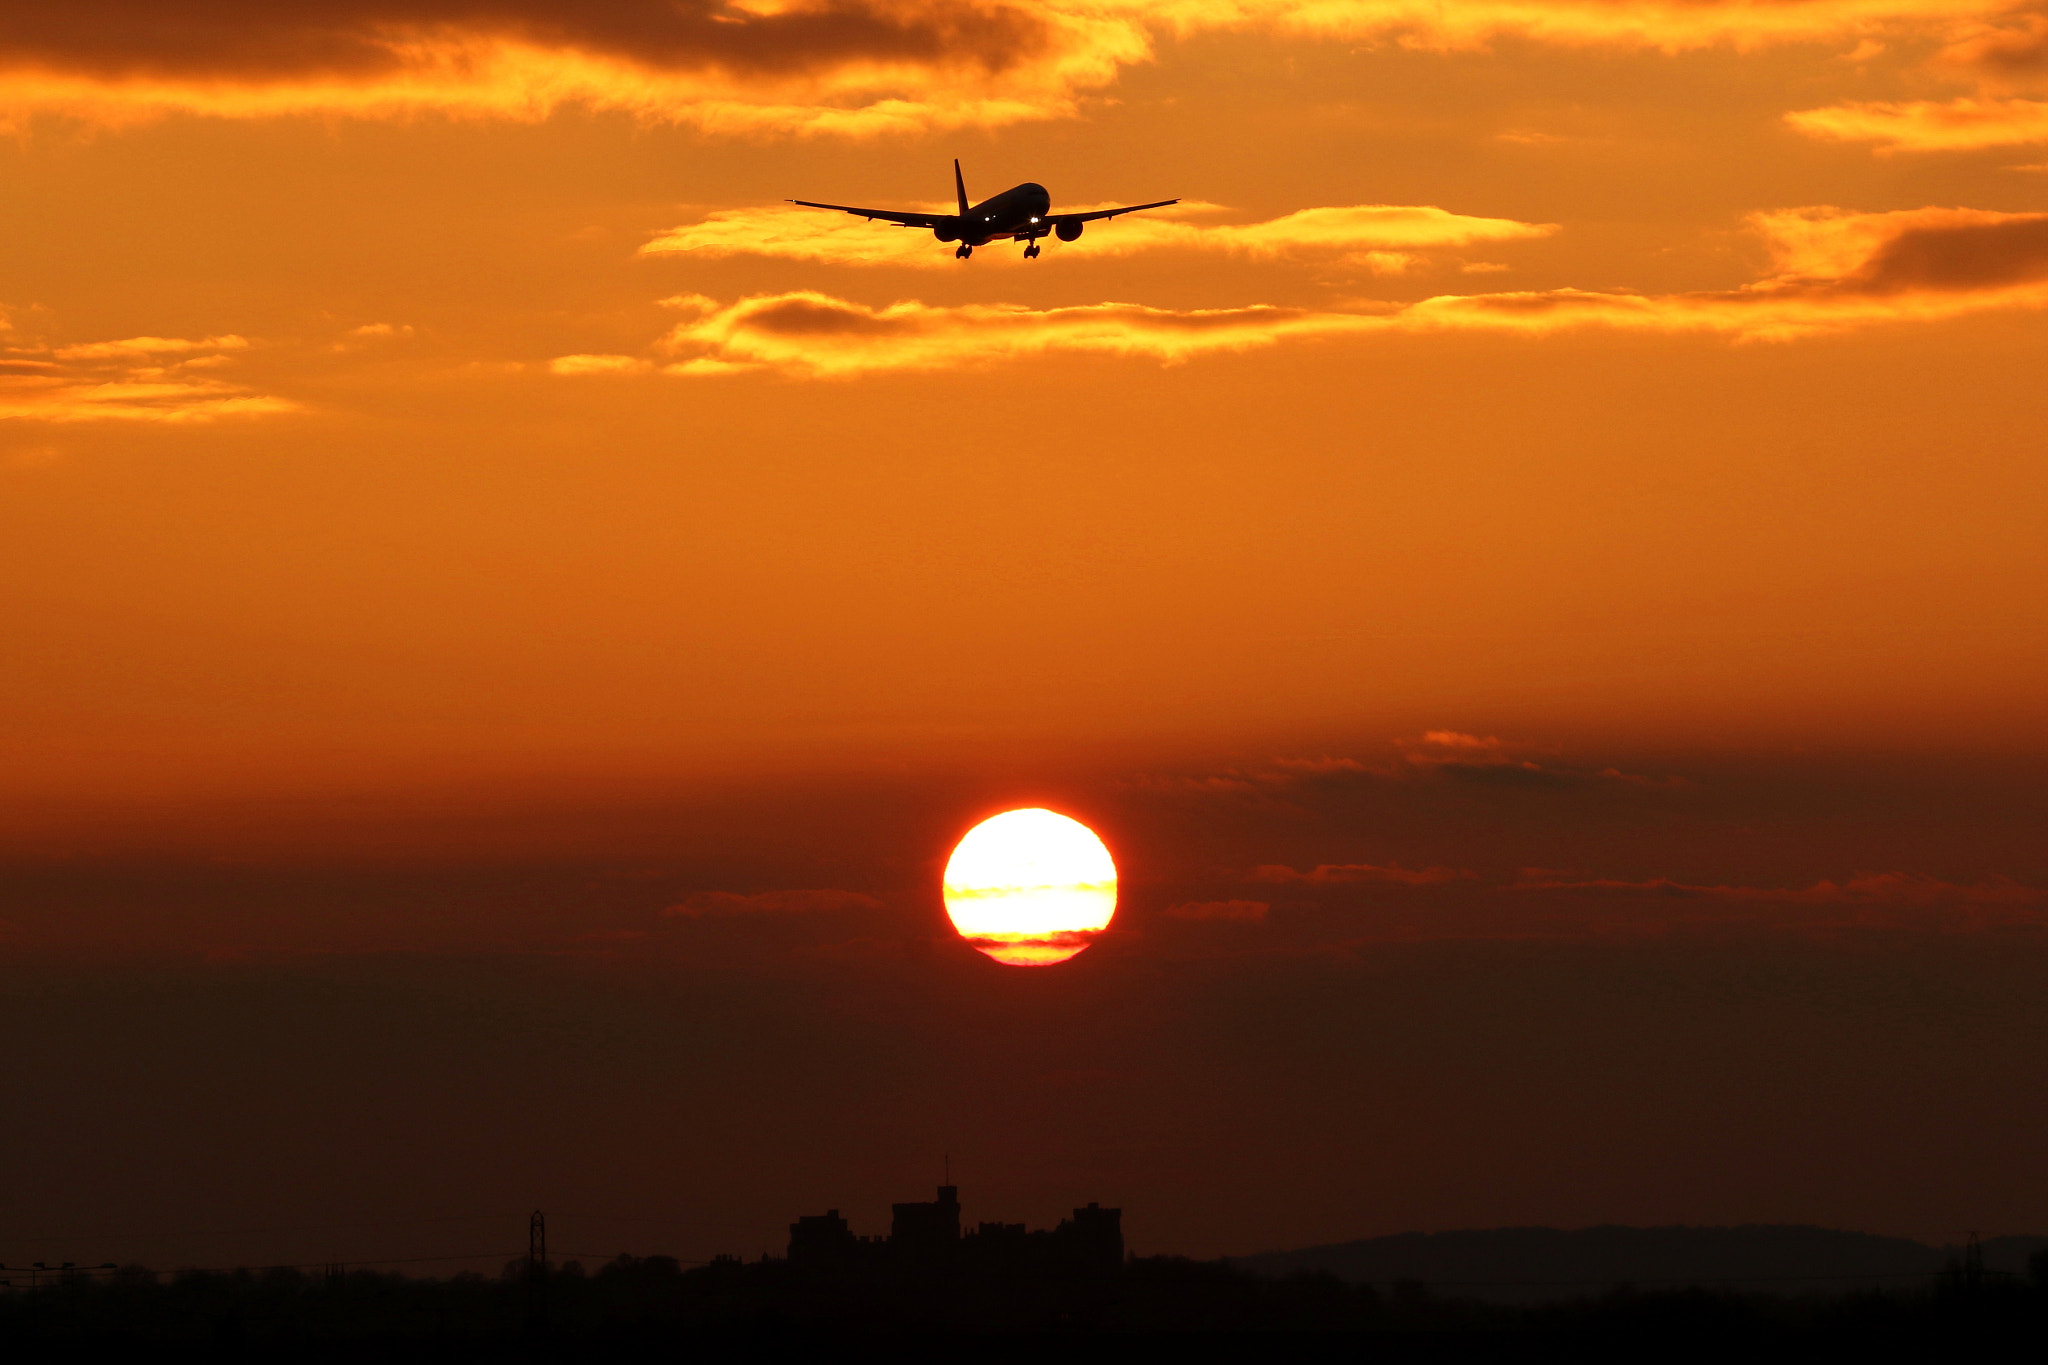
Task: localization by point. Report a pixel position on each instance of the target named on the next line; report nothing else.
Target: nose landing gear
(962, 252)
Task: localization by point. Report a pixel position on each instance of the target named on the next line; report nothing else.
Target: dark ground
(1156, 1308)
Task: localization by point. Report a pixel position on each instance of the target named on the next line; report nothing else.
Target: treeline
(1153, 1307)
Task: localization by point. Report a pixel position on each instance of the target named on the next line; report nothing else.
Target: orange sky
(1526, 365)
(428, 440)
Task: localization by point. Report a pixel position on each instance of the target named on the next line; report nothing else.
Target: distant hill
(1528, 1264)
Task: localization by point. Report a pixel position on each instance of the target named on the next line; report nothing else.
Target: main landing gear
(1030, 251)
(962, 252)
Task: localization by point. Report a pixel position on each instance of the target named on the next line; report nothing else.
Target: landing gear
(1030, 251)
(962, 252)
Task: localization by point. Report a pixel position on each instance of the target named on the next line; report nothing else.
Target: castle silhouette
(927, 1238)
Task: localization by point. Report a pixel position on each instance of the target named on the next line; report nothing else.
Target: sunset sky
(1534, 567)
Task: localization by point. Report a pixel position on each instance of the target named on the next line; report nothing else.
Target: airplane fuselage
(1019, 211)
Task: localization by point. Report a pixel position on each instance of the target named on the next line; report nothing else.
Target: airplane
(1022, 213)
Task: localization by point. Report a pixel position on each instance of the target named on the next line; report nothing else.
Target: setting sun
(1030, 887)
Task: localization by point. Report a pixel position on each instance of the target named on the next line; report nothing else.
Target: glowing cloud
(599, 364)
(850, 67)
(811, 334)
(838, 66)
(1377, 237)
(1668, 25)
(140, 379)
(1836, 270)
(1961, 125)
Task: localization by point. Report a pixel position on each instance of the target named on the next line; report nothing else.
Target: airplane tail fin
(960, 187)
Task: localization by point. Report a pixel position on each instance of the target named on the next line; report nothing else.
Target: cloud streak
(728, 904)
(1959, 125)
(847, 67)
(139, 379)
(1882, 900)
(1835, 270)
(1379, 237)
(837, 66)
(1353, 874)
(1238, 911)
(2004, 54)
(1664, 25)
(1880, 888)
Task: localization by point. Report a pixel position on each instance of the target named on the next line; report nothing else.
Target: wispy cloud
(1835, 270)
(1378, 237)
(723, 904)
(1434, 748)
(1958, 125)
(809, 334)
(834, 66)
(1239, 912)
(138, 347)
(1350, 874)
(1896, 900)
(1666, 25)
(600, 364)
(136, 379)
(1878, 888)
(2003, 53)
(846, 67)
(2008, 49)
(1544, 906)
(1548, 906)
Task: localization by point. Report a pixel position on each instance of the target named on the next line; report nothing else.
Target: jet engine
(1067, 232)
(947, 230)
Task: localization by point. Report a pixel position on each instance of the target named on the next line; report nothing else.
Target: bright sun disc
(1030, 887)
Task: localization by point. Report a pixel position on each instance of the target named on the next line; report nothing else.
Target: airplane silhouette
(1022, 212)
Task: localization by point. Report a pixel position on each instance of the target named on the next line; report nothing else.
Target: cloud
(1453, 746)
(138, 379)
(372, 334)
(1454, 754)
(1874, 900)
(2003, 53)
(724, 904)
(1665, 25)
(1243, 912)
(809, 334)
(1835, 270)
(849, 67)
(842, 66)
(1349, 874)
(2010, 49)
(1549, 906)
(1959, 125)
(1450, 754)
(1879, 888)
(599, 364)
(149, 346)
(1377, 237)
(1553, 907)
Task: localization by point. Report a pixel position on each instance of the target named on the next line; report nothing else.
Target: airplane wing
(920, 220)
(1057, 218)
